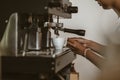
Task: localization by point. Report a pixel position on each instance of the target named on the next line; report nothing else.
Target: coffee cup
(58, 43)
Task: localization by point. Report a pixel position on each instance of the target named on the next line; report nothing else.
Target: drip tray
(48, 53)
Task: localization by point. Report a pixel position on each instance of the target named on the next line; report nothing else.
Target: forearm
(95, 59)
(97, 48)
(91, 56)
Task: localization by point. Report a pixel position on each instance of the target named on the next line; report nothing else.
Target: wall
(95, 21)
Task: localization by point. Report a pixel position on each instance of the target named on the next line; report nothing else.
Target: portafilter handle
(79, 32)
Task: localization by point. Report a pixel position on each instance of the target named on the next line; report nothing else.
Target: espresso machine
(27, 53)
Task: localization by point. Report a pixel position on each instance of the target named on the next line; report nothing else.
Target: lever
(80, 32)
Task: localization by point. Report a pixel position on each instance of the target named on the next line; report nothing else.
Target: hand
(89, 44)
(86, 43)
(80, 45)
(76, 46)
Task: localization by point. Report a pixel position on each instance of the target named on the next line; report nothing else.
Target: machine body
(25, 29)
(26, 44)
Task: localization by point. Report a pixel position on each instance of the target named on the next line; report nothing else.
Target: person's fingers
(76, 51)
(76, 38)
(77, 43)
(72, 47)
(71, 41)
(71, 44)
(76, 47)
(74, 43)
(80, 40)
(73, 38)
(85, 43)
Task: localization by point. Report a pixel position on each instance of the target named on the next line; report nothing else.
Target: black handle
(72, 9)
(78, 32)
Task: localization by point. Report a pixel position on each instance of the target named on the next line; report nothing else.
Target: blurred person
(107, 58)
(117, 4)
(93, 51)
(111, 67)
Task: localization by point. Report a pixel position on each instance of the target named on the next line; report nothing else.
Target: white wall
(86, 18)
(95, 21)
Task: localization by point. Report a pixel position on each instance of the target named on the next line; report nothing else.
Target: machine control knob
(72, 9)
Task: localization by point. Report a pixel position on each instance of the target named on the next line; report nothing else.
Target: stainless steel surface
(35, 39)
(38, 39)
(65, 60)
(37, 63)
(9, 41)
